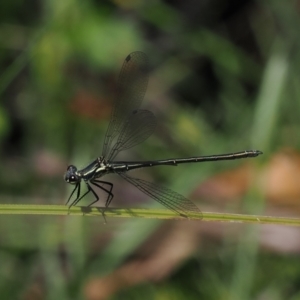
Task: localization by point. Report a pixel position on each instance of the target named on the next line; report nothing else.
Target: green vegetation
(224, 77)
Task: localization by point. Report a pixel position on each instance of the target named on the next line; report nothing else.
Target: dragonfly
(129, 126)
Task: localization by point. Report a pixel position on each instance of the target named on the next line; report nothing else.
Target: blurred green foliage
(224, 77)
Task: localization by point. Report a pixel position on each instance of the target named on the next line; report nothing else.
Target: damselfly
(129, 125)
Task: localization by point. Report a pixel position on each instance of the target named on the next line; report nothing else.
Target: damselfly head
(71, 175)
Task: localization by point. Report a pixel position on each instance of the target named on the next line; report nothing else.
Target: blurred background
(224, 77)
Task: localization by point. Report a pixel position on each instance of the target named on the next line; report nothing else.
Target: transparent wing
(138, 127)
(165, 196)
(131, 88)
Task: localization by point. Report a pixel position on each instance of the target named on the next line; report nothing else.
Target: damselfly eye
(71, 175)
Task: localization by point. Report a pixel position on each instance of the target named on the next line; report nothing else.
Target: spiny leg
(77, 187)
(94, 193)
(97, 198)
(109, 192)
(78, 199)
(90, 189)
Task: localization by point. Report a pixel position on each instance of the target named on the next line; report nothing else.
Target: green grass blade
(22, 209)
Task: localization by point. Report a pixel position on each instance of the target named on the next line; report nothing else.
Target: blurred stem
(268, 103)
(22, 60)
(21, 209)
(264, 128)
(12, 71)
(247, 250)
